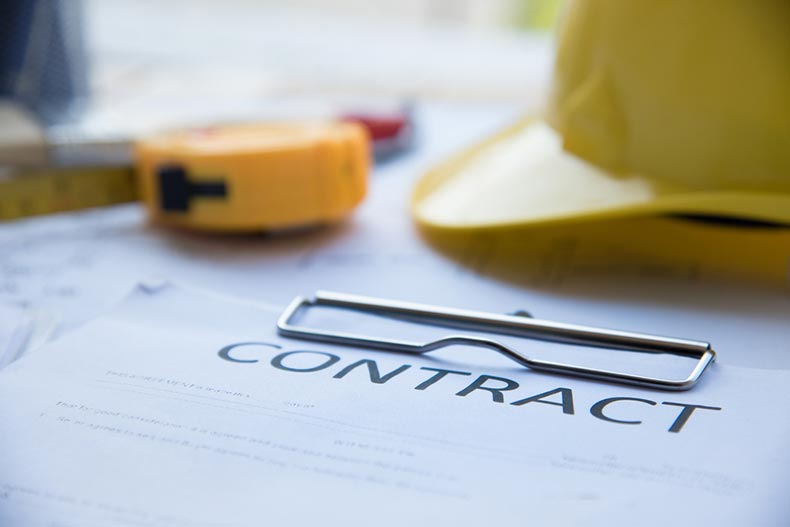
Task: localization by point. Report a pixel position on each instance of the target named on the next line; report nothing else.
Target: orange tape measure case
(254, 177)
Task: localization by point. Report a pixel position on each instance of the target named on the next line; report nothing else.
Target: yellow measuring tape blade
(46, 191)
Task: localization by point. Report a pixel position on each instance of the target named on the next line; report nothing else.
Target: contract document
(181, 408)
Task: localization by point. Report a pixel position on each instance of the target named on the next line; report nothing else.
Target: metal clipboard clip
(519, 325)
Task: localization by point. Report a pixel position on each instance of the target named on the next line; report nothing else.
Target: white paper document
(179, 408)
(16, 327)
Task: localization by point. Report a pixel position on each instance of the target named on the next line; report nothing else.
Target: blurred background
(123, 66)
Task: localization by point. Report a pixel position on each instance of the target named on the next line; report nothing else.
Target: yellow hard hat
(656, 107)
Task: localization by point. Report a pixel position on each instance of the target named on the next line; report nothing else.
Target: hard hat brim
(522, 176)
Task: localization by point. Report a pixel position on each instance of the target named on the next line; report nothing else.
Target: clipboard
(520, 324)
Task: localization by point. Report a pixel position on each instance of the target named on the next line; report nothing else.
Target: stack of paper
(182, 409)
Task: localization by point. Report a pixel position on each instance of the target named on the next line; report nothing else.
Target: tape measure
(235, 178)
